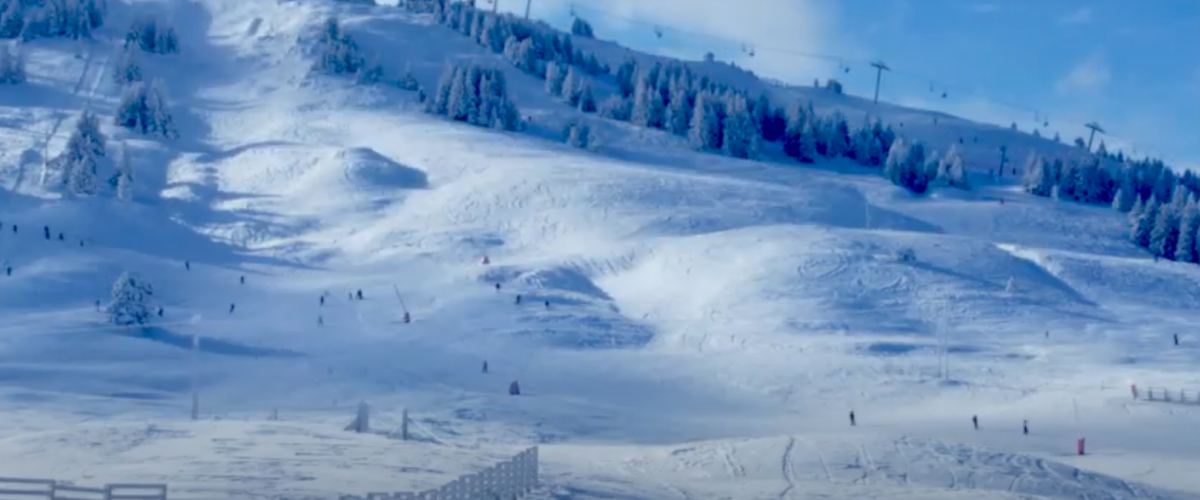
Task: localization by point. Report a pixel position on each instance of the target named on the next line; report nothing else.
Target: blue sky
(1133, 66)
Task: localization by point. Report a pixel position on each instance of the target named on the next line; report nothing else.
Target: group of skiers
(45, 229)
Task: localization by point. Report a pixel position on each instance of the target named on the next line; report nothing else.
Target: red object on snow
(1079, 445)
(485, 260)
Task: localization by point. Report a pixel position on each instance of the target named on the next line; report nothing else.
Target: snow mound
(367, 169)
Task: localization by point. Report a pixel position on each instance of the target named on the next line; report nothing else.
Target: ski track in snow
(786, 465)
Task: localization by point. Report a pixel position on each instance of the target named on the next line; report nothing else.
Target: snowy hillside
(682, 324)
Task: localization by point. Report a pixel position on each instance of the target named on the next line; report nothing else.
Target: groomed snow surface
(711, 321)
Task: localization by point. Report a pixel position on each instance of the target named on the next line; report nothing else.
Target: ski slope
(711, 321)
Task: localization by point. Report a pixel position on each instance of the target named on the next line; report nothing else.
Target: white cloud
(1081, 16)
(1087, 76)
(721, 26)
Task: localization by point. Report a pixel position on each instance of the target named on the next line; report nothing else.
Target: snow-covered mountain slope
(690, 325)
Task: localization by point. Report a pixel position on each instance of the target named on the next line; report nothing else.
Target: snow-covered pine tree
(915, 176)
(459, 106)
(626, 73)
(741, 135)
(679, 110)
(523, 55)
(1179, 197)
(953, 170)
(797, 120)
(555, 78)
(931, 167)
(440, 104)
(806, 143)
(572, 86)
(1126, 194)
(587, 100)
(1068, 179)
(1164, 238)
(648, 106)
(143, 108)
(1164, 188)
(143, 33)
(616, 107)
(1089, 188)
(837, 137)
(905, 166)
(128, 67)
(705, 132)
(474, 98)
(1189, 224)
(124, 179)
(1136, 210)
(578, 134)
(1037, 180)
(12, 65)
(501, 112)
(1144, 224)
(84, 151)
(893, 167)
(338, 52)
(130, 303)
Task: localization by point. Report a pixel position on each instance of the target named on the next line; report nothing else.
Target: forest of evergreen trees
(717, 118)
(1161, 204)
(713, 116)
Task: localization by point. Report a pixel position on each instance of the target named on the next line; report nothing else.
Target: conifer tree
(1143, 225)
(130, 302)
(1189, 224)
(1164, 238)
